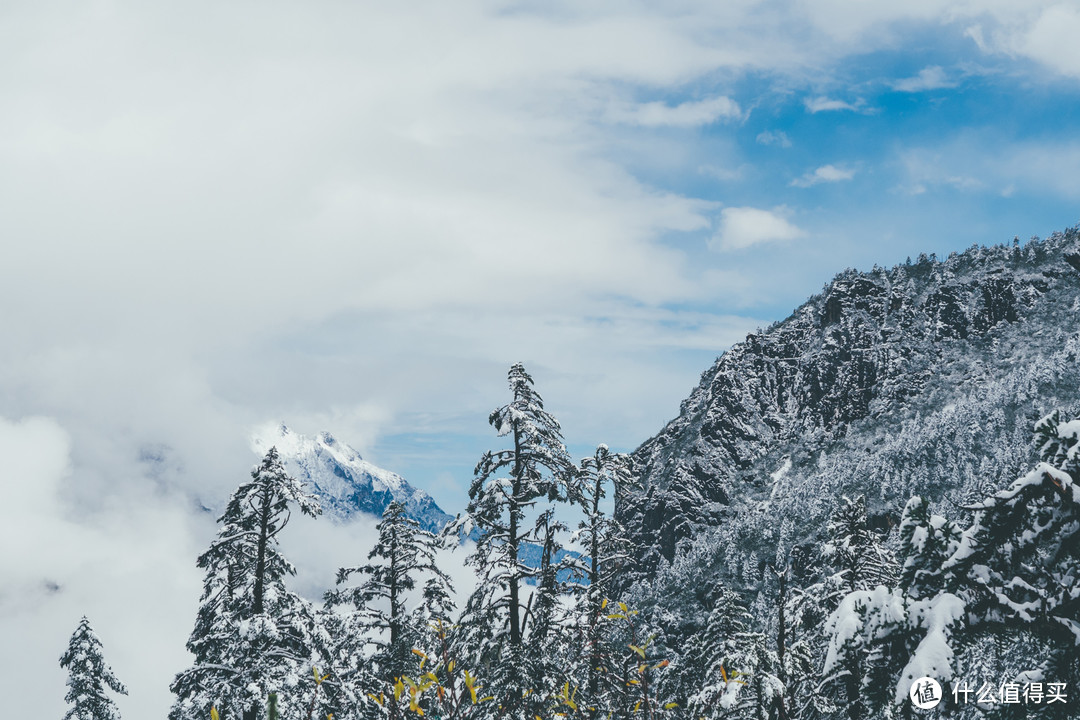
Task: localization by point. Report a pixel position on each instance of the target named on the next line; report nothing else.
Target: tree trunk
(594, 610)
(260, 563)
(515, 602)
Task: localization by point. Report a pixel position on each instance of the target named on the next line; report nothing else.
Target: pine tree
(1012, 573)
(496, 625)
(926, 541)
(403, 554)
(89, 677)
(252, 636)
(856, 551)
(1016, 566)
(863, 572)
(608, 552)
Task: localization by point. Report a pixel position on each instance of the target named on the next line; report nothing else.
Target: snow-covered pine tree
(252, 636)
(926, 541)
(402, 556)
(796, 669)
(89, 677)
(855, 550)
(707, 664)
(1016, 566)
(608, 551)
(1012, 573)
(861, 565)
(507, 486)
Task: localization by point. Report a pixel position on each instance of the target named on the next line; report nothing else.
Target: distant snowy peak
(345, 482)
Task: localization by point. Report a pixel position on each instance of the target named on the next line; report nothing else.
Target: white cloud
(823, 174)
(687, 114)
(1045, 34)
(743, 227)
(821, 103)
(929, 78)
(129, 566)
(963, 164)
(778, 137)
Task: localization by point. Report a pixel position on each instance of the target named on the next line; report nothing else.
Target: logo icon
(925, 693)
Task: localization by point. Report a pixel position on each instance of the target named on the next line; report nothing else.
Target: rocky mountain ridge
(346, 483)
(925, 377)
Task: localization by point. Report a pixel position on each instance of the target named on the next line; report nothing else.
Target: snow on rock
(345, 482)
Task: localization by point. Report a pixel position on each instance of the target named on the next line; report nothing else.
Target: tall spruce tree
(860, 564)
(89, 677)
(403, 555)
(507, 487)
(252, 636)
(608, 551)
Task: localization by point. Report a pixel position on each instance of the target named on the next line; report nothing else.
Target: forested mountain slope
(926, 378)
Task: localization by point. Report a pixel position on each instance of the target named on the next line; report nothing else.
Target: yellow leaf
(399, 687)
(419, 652)
(637, 706)
(671, 705)
(622, 606)
(662, 664)
(485, 699)
(213, 713)
(615, 616)
(450, 667)
(638, 650)
(380, 699)
(603, 604)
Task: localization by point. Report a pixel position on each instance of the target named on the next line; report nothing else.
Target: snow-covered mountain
(926, 378)
(345, 482)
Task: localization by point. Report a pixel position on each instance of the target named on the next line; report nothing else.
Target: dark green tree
(252, 635)
(504, 518)
(403, 556)
(89, 677)
(608, 552)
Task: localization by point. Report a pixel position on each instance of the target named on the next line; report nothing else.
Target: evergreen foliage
(1011, 574)
(499, 627)
(252, 635)
(89, 677)
(609, 552)
(403, 555)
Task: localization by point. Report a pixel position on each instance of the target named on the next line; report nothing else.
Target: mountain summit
(345, 482)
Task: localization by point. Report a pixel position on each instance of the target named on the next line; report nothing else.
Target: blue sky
(355, 217)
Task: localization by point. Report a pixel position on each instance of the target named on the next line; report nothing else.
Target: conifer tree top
(89, 677)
